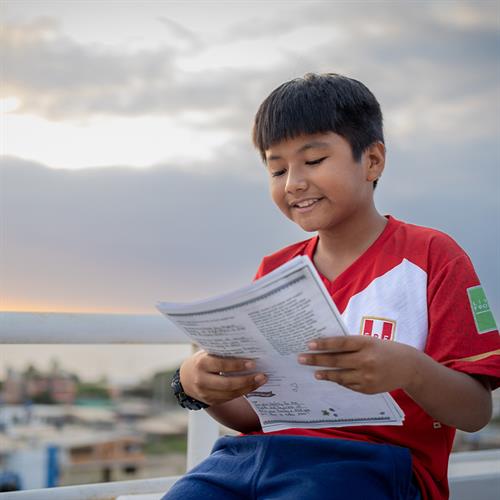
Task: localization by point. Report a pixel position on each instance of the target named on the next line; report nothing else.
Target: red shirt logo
(380, 328)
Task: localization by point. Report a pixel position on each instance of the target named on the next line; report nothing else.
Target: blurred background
(128, 176)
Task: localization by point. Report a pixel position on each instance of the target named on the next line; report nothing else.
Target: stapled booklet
(271, 320)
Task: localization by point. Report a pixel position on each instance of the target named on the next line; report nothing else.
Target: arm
(236, 414)
(371, 365)
(200, 377)
(451, 397)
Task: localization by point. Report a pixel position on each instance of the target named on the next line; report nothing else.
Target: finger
(245, 390)
(344, 343)
(233, 383)
(217, 364)
(338, 360)
(256, 383)
(213, 396)
(345, 378)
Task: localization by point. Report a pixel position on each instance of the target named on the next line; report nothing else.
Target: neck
(352, 237)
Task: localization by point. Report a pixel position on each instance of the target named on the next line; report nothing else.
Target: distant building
(13, 390)
(109, 453)
(57, 386)
(79, 454)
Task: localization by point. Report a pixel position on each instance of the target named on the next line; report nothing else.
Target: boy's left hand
(364, 364)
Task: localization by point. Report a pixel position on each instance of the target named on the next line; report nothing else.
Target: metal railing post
(203, 431)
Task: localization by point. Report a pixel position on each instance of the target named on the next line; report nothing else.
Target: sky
(128, 175)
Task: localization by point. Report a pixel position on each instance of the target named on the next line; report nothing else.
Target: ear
(374, 161)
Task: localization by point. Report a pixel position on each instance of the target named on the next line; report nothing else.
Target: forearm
(236, 414)
(451, 397)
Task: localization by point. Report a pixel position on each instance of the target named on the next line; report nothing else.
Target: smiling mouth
(306, 204)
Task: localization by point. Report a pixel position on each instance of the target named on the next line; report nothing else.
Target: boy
(419, 320)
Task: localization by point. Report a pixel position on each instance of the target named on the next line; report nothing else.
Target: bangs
(289, 118)
(319, 104)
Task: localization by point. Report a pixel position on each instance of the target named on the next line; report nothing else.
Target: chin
(308, 228)
(309, 225)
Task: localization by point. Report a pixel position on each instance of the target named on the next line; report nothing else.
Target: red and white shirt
(413, 285)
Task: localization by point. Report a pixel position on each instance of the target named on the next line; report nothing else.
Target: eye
(277, 173)
(316, 162)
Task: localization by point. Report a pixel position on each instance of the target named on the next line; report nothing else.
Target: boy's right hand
(208, 378)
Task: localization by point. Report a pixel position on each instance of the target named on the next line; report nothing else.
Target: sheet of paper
(271, 321)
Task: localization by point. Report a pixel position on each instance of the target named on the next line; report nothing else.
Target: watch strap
(182, 398)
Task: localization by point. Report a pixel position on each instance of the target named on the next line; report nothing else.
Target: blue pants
(298, 468)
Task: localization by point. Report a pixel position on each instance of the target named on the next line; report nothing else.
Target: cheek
(276, 193)
(278, 196)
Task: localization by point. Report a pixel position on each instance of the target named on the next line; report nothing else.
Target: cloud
(58, 78)
(434, 79)
(119, 239)
(373, 20)
(181, 33)
(432, 72)
(466, 15)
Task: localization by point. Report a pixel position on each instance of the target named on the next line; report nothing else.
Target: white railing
(472, 475)
(82, 328)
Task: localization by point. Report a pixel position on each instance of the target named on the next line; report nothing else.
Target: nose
(295, 180)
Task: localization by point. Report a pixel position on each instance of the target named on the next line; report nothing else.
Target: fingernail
(319, 375)
(260, 378)
(249, 365)
(302, 359)
(312, 345)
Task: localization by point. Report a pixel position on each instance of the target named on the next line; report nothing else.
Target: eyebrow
(305, 147)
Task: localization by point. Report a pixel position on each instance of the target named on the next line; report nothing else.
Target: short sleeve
(271, 262)
(260, 271)
(463, 334)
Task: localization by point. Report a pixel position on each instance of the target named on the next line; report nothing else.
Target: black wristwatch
(182, 398)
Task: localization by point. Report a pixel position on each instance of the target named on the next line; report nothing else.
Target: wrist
(184, 399)
(415, 361)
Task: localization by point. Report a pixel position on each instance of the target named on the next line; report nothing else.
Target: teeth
(306, 203)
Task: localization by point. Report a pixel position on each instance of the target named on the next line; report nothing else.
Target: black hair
(319, 103)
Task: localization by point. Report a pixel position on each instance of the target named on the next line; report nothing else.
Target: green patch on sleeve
(485, 321)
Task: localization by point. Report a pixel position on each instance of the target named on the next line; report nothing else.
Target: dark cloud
(121, 238)
(411, 55)
(124, 238)
(58, 78)
(371, 19)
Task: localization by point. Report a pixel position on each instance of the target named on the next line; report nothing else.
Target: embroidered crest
(483, 316)
(380, 328)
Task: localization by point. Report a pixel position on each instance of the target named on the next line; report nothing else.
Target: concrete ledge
(473, 475)
(480, 487)
(153, 496)
(98, 491)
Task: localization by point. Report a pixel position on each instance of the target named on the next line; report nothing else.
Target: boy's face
(316, 183)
